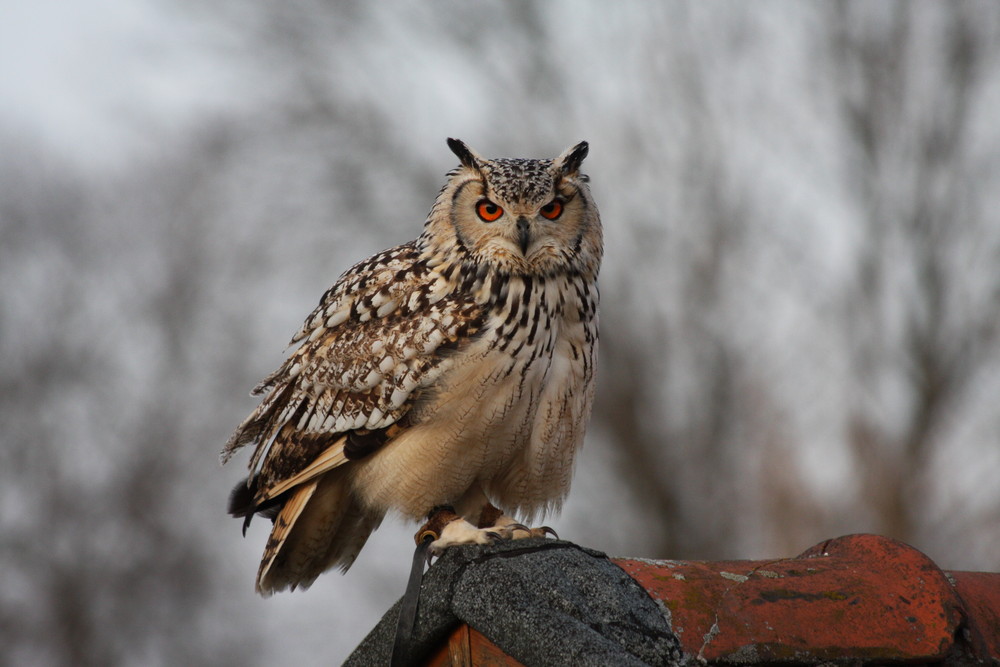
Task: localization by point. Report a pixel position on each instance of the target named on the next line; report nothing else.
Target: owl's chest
(536, 310)
(534, 333)
(529, 318)
(513, 398)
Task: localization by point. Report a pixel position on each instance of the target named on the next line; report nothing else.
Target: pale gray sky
(98, 79)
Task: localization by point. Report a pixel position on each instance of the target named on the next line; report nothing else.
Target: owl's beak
(523, 234)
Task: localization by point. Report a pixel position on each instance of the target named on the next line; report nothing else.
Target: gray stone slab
(544, 602)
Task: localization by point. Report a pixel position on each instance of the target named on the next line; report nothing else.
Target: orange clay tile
(863, 597)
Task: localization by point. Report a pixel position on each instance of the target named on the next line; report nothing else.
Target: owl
(448, 379)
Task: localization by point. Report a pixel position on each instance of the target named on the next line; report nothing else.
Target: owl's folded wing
(376, 339)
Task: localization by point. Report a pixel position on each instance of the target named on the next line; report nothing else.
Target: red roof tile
(862, 597)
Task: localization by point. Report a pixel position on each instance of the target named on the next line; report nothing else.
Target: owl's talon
(518, 531)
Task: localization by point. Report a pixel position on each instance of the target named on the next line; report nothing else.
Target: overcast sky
(101, 78)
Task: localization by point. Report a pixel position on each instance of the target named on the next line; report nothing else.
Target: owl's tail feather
(319, 527)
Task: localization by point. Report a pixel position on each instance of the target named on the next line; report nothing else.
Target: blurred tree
(912, 83)
(704, 427)
(105, 554)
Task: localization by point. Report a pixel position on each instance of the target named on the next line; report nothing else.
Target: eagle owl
(449, 378)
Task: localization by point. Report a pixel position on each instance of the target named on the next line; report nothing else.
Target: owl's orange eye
(552, 210)
(488, 211)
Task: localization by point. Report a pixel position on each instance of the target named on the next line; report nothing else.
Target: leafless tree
(922, 313)
(106, 560)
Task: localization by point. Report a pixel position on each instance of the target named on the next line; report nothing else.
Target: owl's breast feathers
(391, 335)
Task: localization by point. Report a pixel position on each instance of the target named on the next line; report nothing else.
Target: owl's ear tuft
(466, 155)
(569, 162)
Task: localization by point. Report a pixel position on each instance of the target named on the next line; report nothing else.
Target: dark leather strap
(408, 607)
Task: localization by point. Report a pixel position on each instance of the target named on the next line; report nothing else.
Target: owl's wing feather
(378, 337)
(332, 457)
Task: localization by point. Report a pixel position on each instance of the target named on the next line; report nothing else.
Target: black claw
(494, 536)
(519, 526)
(549, 531)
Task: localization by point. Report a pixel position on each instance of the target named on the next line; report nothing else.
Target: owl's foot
(461, 531)
(502, 524)
(522, 532)
(448, 529)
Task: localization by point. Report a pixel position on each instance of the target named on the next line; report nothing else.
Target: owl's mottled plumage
(455, 370)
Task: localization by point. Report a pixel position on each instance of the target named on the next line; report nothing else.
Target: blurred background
(800, 298)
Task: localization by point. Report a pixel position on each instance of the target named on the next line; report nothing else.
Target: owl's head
(519, 216)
